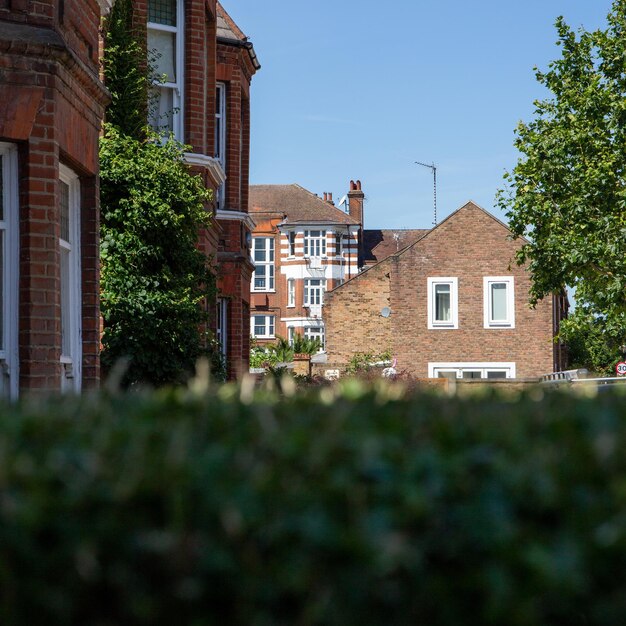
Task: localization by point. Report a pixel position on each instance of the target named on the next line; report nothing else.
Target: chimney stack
(356, 199)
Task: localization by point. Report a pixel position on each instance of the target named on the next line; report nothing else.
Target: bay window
(315, 243)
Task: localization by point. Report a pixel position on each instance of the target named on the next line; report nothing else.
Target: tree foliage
(154, 279)
(567, 193)
(155, 282)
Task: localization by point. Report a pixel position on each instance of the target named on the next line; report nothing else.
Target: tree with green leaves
(567, 193)
(155, 282)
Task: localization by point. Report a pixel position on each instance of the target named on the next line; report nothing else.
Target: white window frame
(453, 282)
(9, 232)
(483, 366)
(220, 136)
(291, 292)
(309, 289)
(269, 324)
(71, 371)
(338, 244)
(510, 301)
(177, 88)
(314, 244)
(270, 276)
(316, 332)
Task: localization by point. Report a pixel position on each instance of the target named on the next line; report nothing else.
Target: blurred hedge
(331, 509)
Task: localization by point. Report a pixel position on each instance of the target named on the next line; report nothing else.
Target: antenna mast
(432, 167)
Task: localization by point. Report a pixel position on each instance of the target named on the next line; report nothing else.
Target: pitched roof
(296, 204)
(226, 27)
(379, 244)
(229, 32)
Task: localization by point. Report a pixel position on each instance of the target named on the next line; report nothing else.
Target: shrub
(345, 506)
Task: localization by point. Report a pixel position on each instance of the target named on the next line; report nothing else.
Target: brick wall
(353, 315)
(51, 104)
(469, 245)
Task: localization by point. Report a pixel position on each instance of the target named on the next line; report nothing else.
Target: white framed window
(315, 243)
(291, 292)
(314, 289)
(221, 330)
(9, 271)
(316, 332)
(338, 244)
(263, 257)
(69, 248)
(499, 301)
(443, 303)
(262, 326)
(469, 370)
(166, 53)
(220, 136)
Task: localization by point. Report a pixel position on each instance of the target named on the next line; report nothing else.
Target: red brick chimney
(356, 200)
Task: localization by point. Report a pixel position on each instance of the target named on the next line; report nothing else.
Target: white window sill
(501, 326)
(263, 291)
(443, 327)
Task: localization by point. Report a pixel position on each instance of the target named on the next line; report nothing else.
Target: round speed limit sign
(620, 368)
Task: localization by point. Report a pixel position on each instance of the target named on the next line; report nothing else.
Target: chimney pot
(352, 185)
(330, 197)
(325, 197)
(358, 185)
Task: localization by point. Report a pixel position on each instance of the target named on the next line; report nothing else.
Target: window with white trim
(69, 247)
(262, 326)
(166, 54)
(263, 258)
(315, 243)
(469, 371)
(9, 260)
(314, 289)
(316, 332)
(220, 136)
(291, 292)
(338, 244)
(499, 301)
(443, 303)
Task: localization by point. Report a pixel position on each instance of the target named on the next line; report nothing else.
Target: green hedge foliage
(337, 507)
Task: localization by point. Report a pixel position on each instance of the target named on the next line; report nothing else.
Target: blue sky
(361, 89)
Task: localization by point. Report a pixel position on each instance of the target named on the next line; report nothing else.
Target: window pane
(65, 211)
(161, 109)
(496, 374)
(471, 375)
(66, 349)
(498, 302)
(162, 12)
(442, 303)
(448, 375)
(259, 254)
(163, 45)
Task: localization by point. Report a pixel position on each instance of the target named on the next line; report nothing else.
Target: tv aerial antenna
(433, 168)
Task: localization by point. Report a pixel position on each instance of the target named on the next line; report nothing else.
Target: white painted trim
(472, 365)
(238, 216)
(454, 303)
(71, 375)
(209, 163)
(266, 325)
(510, 302)
(9, 356)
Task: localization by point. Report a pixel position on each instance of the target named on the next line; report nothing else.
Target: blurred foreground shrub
(341, 507)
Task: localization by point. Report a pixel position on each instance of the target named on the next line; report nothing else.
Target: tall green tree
(567, 193)
(155, 282)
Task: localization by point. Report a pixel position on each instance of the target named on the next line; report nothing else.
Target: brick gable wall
(468, 246)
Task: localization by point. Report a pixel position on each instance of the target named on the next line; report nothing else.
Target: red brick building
(452, 304)
(209, 64)
(51, 105)
(303, 245)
